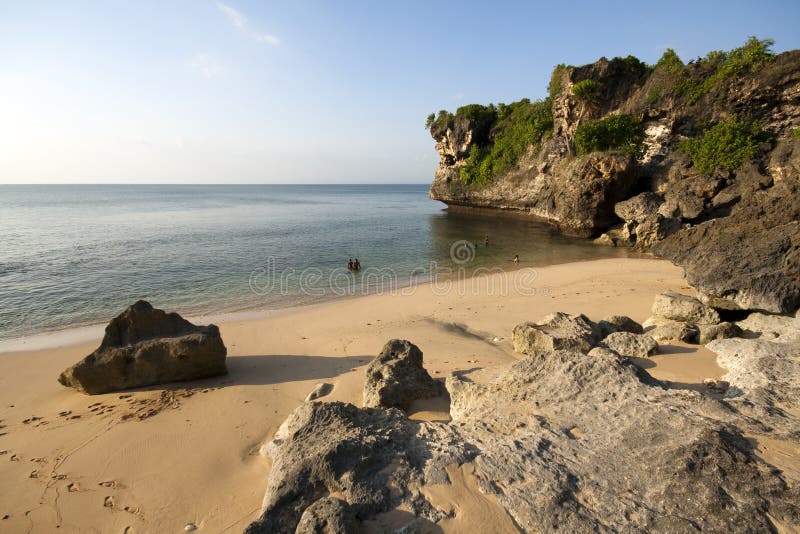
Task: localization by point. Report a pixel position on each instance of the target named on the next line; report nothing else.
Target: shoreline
(73, 335)
(142, 458)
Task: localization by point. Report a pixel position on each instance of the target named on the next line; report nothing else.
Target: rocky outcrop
(749, 260)
(396, 377)
(736, 233)
(564, 441)
(557, 331)
(662, 329)
(374, 459)
(577, 195)
(144, 346)
(632, 345)
(683, 308)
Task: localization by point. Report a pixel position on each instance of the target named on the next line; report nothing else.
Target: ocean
(73, 255)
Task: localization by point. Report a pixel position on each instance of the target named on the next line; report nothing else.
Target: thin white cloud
(458, 96)
(236, 18)
(239, 21)
(207, 66)
(267, 38)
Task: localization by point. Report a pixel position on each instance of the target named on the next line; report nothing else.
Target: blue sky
(304, 91)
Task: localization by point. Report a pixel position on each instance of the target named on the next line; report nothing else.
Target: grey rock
(557, 331)
(749, 260)
(144, 346)
(320, 390)
(577, 194)
(764, 377)
(605, 352)
(639, 208)
(684, 308)
(619, 323)
(373, 458)
(396, 377)
(781, 327)
(560, 426)
(724, 330)
(328, 515)
(662, 329)
(556, 440)
(632, 345)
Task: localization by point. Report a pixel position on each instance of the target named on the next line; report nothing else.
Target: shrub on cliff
(616, 132)
(719, 66)
(726, 145)
(587, 91)
(520, 125)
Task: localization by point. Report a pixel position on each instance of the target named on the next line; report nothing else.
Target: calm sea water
(77, 255)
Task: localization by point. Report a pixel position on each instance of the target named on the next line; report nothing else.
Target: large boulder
(633, 345)
(684, 308)
(396, 377)
(374, 459)
(557, 331)
(144, 346)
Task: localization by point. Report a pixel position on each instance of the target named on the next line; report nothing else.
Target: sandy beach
(156, 459)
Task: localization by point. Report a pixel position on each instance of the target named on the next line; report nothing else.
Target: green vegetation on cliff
(726, 145)
(709, 73)
(518, 126)
(616, 132)
(587, 91)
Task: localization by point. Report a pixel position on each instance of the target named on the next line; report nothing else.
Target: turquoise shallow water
(77, 255)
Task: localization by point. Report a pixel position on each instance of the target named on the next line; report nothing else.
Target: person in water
(516, 258)
(357, 265)
(350, 264)
(486, 241)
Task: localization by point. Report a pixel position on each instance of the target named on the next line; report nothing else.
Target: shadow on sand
(274, 369)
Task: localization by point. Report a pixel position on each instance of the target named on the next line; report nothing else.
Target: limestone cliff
(729, 218)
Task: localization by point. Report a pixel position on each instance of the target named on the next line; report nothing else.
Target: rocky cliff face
(736, 232)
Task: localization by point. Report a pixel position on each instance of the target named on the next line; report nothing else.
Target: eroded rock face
(577, 195)
(144, 346)
(566, 426)
(396, 377)
(633, 345)
(737, 234)
(565, 442)
(328, 515)
(557, 331)
(684, 308)
(662, 329)
(764, 378)
(749, 260)
(375, 459)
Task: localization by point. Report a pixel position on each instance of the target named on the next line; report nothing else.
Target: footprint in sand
(108, 502)
(73, 487)
(110, 484)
